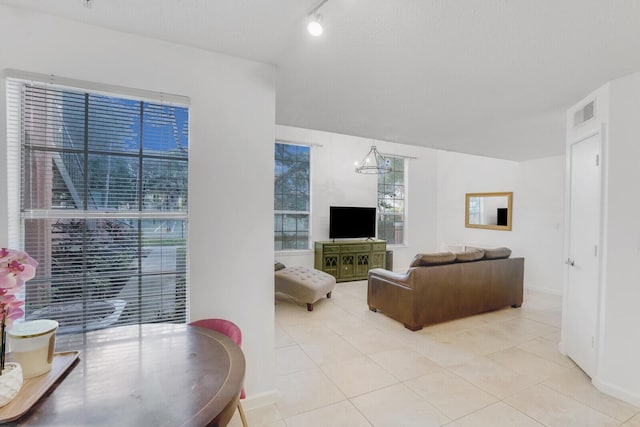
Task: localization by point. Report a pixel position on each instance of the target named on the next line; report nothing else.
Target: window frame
(379, 195)
(295, 212)
(17, 215)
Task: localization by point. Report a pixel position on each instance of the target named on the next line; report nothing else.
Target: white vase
(10, 382)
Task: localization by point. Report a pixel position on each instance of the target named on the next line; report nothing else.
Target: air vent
(584, 114)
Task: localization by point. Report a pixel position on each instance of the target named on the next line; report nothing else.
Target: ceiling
(490, 77)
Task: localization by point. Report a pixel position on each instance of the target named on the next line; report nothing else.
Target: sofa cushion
(497, 253)
(423, 260)
(278, 266)
(469, 255)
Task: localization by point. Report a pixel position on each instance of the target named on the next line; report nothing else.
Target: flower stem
(4, 340)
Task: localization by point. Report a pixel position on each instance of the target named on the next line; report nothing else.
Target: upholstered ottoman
(304, 284)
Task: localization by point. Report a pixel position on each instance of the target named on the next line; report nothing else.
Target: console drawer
(355, 248)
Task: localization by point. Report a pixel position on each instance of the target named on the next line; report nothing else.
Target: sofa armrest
(405, 279)
(393, 294)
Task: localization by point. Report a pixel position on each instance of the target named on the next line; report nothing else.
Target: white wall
(335, 182)
(459, 174)
(538, 189)
(232, 129)
(540, 214)
(619, 343)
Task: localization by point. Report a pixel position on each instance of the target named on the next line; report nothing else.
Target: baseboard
(617, 392)
(543, 289)
(561, 347)
(260, 399)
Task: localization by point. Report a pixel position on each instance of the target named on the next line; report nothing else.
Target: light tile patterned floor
(343, 365)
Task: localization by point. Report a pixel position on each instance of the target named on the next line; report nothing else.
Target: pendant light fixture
(315, 23)
(374, 163)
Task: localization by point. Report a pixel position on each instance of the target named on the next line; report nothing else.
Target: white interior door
(584, 252)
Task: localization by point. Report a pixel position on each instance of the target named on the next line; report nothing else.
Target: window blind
(98, 196)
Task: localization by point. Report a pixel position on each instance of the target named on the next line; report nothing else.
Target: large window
(391, 203)
(291, 196)
(103, 205)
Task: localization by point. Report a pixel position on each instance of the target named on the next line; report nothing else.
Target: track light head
(315, 22)
(315, 25)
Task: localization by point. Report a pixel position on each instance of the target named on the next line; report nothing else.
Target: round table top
(145, 375)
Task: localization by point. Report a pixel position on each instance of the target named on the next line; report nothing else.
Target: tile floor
(343, 365)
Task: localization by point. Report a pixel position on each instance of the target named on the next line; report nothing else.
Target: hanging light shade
(374, 162)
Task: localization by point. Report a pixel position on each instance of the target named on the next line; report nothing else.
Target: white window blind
(98, 196)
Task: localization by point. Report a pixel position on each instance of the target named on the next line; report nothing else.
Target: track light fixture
(315, 23)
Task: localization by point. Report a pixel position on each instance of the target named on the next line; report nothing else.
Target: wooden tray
(34, 388)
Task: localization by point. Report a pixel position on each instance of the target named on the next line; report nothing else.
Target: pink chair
(231, 330)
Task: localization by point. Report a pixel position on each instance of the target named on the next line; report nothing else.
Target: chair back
(225, 327)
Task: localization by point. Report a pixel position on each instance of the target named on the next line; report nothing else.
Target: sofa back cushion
(470, 255)
(424, 260)
(497, 253)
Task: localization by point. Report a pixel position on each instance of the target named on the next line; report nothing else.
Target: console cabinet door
(347, 265)
(330, 265)
(362, 264)
(377, 260)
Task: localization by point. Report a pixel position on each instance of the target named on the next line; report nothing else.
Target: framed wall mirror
(489, 210)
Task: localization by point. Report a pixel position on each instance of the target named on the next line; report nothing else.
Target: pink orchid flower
(12, 307)
(16, 260)
(16, 267)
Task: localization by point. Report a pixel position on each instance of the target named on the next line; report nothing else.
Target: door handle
(569, 262)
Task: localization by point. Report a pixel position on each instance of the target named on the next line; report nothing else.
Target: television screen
(346, 222)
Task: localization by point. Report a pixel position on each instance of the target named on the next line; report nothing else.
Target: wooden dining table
(144, 375)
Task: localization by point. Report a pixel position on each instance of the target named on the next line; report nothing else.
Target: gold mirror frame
(487, 225)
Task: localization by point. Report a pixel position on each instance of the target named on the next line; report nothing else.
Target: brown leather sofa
(446, 286)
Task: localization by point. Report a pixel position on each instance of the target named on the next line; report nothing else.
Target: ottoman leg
(309, 306)
(329, 295)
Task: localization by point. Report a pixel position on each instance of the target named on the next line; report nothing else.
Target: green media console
(349, 259)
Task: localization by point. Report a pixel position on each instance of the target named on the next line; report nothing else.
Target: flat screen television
(347, 222)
